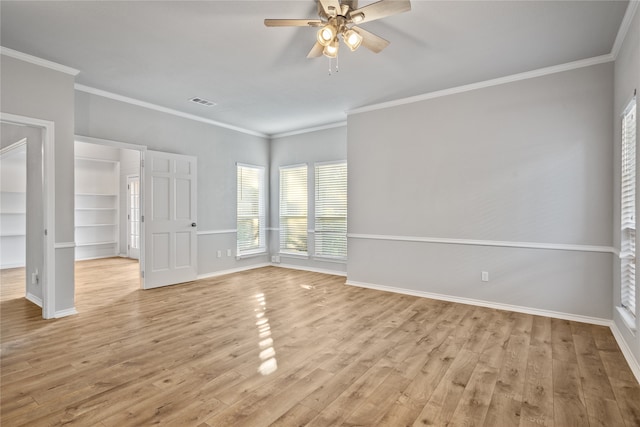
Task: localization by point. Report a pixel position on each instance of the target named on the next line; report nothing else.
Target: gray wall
(38, 92)
(627, 78)
(320, 146)
(529, 161)
(217, 149)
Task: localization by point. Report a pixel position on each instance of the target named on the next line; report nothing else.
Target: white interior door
(133, 216)
(170, 219)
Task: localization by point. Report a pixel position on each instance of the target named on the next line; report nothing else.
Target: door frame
(129, 179)
(142, 149)
(48, 275)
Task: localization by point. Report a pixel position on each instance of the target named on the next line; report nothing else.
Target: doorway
(27, 230)
(107, 211)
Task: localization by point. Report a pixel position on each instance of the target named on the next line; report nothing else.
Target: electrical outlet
(277, 258)
(34, 278)
(219, 254)
(228, 252)
(485, 276)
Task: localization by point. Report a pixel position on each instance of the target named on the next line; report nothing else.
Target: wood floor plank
(273, 346)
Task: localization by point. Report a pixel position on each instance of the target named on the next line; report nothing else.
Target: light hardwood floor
(281, 347)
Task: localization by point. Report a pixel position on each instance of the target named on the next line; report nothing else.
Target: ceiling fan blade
(371, 41)
(378, 10)
(316, 51)
(330, 7)
(292, 22)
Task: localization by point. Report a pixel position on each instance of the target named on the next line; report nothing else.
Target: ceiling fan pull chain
(329, 66)
(337, 64)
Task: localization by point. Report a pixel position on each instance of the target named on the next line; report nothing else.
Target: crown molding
(38, 61)
(632, 7)
(149, 105)
(488, 83)
(309, 130)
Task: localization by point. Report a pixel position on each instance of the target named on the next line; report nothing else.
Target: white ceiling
(169, 51)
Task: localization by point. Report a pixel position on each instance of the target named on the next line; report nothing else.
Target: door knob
(193, 224)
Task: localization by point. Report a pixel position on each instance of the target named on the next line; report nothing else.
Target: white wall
(528, 161)
(34, 91)
(314, 147)
(217, 149)
(627, 79)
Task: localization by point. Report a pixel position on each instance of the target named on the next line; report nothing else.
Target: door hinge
(142, 218)
(128, 187)
(45, 231)
(143, 274)
(128, 216)
(141, 163)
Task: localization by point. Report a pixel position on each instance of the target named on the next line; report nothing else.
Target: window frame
(262, 217)
(282, 238)
(628, 215)
(326, 257)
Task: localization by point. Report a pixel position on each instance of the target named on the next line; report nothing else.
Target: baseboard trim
(98, 257)
(488, 304)
(14, 265)
(66, 312)
(311, 269)
(231, 271)
(34, 299)
(626, 351)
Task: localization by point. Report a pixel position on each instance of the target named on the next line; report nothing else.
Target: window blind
(250, 210)
(293, 209)
(331, 210)
(628, 210)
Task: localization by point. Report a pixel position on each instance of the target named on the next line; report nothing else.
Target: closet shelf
(97, 194)
(13, 235)
(95, 225)
(96, 209)
(13, 213)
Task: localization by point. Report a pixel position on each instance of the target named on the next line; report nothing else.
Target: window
(293, 209)
(628, 210)
(250, 210)
(331, 210)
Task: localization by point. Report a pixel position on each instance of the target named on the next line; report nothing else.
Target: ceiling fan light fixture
(352, 39)
(331, 50)
(327, 34)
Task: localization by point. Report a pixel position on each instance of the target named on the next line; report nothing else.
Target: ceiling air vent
(202, 101)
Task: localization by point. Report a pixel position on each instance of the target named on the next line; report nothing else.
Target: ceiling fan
(339, 19)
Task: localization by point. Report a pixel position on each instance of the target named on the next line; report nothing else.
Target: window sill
(245, 255)
(292, 255)
(322, 258)
(628, 319)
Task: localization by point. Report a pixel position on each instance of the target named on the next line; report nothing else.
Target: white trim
(208, 232)
(93, 159)
(526, 245)
(311, 269)
(9, 148)
(38, 61)
(627, 319)
(482, 303)
(110, 143)
(324, 258)
(272, 229)
(295, 166)
(309, 130)
(65, 245)
(66, 312)
(150, 106)
(231, 271)
(48, 275)
(256, 253)
(13, 265)
(98, 257)
(34, 299)
(626, 351)
(292, 255)
(624, 27)
(487, 83)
